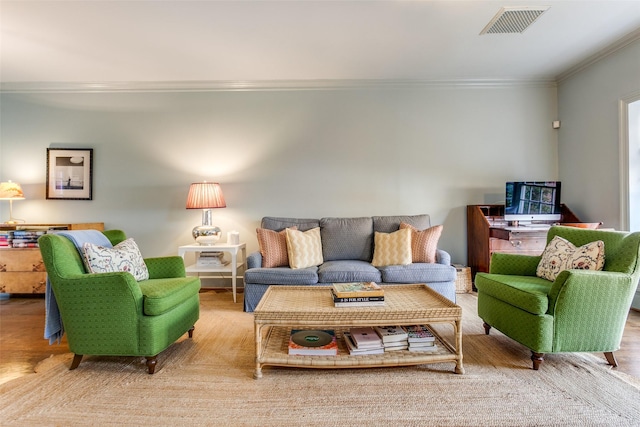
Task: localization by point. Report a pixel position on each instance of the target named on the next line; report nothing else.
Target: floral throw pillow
(125, 256)
(560, 254)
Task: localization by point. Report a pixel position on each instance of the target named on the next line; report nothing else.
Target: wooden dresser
(488, 232)
(22, 269)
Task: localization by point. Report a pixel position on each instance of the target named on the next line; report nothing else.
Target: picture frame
(70, 173)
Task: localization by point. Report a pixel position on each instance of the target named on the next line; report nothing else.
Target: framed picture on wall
(70, 173)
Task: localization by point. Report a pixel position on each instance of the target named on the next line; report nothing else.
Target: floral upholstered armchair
(572, 308)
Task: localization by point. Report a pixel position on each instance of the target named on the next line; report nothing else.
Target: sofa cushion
(560, 254)
(125, 256)
(528, 293)
(389, 224)
(281, 276)
(392, 248)
(347, 238)
(304, 248)
(345, 271)
(161, 295)
(278, 223)
(424, 243)
(418, 273)
(273, 247)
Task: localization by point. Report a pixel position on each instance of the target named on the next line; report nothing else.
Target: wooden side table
(232, 267)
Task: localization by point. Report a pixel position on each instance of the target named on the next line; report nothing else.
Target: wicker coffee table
(311, 307)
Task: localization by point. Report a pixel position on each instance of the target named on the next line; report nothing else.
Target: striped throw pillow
(392, 248)
(304, 248)
(273, 247)
(424, 243)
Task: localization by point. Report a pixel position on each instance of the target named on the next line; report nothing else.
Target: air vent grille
(511, 20)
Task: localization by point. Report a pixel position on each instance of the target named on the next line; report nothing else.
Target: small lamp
(11, 191)
(206, 196)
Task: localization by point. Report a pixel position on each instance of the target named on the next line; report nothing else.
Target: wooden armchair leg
(537, 359)
(191, 331)
(151, 363)
(487, 328)
(611, 359)
(76, 361)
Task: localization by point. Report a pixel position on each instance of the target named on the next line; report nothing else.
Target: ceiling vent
(511, 20)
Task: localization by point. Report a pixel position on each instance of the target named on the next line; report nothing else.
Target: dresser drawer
(515, 245)
(23, 282)
(27, 259)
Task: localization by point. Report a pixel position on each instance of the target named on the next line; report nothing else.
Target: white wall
(301, 153)
(589, 149)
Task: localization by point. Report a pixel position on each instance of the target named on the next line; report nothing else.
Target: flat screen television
(532, 201)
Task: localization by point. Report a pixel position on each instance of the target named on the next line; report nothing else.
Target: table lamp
(206, 196)
(11, 191)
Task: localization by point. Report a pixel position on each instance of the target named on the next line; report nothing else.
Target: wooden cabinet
(488, 232)
(22, 269)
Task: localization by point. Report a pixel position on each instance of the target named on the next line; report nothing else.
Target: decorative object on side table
(70, 173)
(206, 196)
(11, 191)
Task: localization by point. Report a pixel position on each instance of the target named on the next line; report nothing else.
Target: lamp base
(206, 235)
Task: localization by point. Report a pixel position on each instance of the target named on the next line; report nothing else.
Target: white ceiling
(234, 41)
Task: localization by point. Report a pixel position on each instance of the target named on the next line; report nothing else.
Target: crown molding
(254, 85)
(621, 43)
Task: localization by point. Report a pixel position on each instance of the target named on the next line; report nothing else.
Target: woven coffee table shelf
(285, 307)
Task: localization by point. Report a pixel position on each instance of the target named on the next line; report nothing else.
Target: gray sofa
(347, 249)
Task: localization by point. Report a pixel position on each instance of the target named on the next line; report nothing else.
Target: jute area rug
(209, 381)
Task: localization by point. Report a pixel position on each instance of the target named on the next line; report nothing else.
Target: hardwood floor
(22, 344)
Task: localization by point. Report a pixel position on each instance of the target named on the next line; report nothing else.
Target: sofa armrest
(514, 264)
(443, 257)
(165, 267)
(254, 260)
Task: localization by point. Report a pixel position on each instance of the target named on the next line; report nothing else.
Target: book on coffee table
(357, 289)
(366, 337)
(313, 343)
(355, 351)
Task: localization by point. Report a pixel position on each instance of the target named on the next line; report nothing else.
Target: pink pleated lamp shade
(205, 195)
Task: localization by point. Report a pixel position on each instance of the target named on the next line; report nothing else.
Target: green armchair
(111, 314)
(581, 311)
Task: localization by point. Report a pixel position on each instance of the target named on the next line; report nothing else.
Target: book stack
(363, 341)
(313, 343)
(211, 259)
(4, 239)
(358, 294)
(24, 238)
(393, 337)
(421, 339)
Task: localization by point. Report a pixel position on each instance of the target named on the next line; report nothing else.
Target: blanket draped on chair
(53, 327)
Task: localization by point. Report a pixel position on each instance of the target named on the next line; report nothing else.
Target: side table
(232, 267)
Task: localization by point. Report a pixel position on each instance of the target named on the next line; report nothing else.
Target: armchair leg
(191, 331)
(537, 359)
(611, 359)
(76, 361)
(151, 364)
(487, 328)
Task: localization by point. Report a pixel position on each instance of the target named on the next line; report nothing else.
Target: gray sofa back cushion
(347, 238)
(277, 224)
(389, 224)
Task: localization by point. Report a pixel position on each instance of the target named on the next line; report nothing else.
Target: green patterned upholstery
(112, 314)
(582, 311)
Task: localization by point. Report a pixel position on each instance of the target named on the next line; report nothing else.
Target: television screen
(532, 201)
